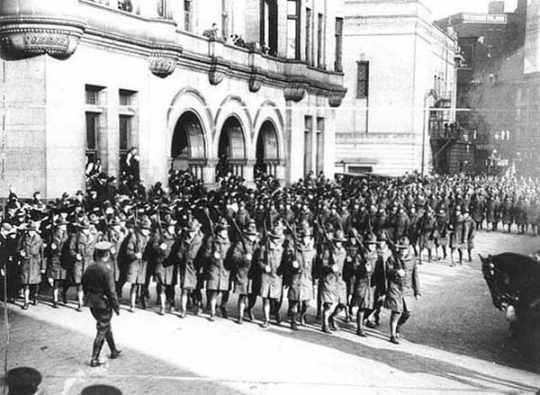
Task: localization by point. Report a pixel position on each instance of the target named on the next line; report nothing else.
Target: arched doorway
(267, 154)
(187, 148)
(231, 149)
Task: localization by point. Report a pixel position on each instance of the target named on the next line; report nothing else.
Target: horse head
(489, 271)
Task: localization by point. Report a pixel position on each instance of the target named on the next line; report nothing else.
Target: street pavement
(456, 342)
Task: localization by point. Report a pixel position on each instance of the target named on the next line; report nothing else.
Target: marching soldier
(403, 287)
(364, 265)
(218, 268)
(245, 251)
(271, 261)
(188, 257)
(100, 297)
(302, 265)
(80, 255)
(58, 261)
(137, 254)
(32, 264)
(334, 289)
(8, 264)
(166, 272)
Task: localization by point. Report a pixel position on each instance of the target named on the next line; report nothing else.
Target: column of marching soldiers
(350, 245)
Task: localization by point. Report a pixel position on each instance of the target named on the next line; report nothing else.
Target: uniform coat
(218, 265)
(364, 288)
(32, 263)
(301, 288)
(402, 291)
(241, 266)
(333, 287)
(82, 244)
(166, 272)
(188, 256)
(137, 243)
(58, 262)
(271, 281)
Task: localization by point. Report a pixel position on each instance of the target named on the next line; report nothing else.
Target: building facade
(398, 66)
(489, 74)
(198, 84)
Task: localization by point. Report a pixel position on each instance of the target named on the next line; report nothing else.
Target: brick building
(85, 79)
(489, 74)
(400, 74)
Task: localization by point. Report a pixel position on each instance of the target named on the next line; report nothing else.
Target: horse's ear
(483, 259)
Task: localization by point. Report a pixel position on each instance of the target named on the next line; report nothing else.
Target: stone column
(248, 172)
(209, 172)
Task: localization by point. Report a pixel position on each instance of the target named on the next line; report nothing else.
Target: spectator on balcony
(132, 164)
(238, 40)
(212, 33)
(125, 5)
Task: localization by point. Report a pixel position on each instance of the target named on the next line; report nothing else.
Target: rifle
(240, 234)
(392, 247)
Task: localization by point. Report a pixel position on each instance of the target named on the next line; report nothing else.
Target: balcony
(35, 27)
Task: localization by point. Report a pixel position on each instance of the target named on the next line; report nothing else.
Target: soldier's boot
(115, 352)
(98, 344)
(402, 320)
(294, 324)
(359, 324)
(224, 313)
(333, 324)
(143, 301)
(162, 302)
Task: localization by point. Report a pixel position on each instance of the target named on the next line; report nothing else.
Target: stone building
(400, 72)
(203, 84)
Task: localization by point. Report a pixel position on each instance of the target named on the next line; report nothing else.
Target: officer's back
(98, 287)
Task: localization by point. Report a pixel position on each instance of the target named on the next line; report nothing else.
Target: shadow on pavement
(101, 390)
(60, 358)
(411, 363)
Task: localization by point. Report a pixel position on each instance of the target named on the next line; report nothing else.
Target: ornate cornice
(27, 36)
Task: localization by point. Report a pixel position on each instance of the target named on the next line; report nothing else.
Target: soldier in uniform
(58, 262)
(245, 252)
(166, 271)
(137, 254)
(80, 255)
(8, 264)
(364, 264)
(271, 261)
(100, 297)
(333, 289)
(403, 287)
(188, 257)
(428, 233)
(32, 263)
(443, 236)
(218, 268)
(301, 286)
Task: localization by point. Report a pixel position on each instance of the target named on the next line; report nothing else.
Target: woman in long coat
(364, 288)
(187, 255)
(403, 287)
(32, 263)
(58, 262)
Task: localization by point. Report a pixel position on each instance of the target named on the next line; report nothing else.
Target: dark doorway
(187, 148)
(231, 149)
(267, 153)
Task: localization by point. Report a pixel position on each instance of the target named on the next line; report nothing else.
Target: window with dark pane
(362, 87)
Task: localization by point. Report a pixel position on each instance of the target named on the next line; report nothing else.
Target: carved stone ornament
(26, 36)
(218, 71)
(295, 92)
(163, 62)
(335, 98)
(255, 83)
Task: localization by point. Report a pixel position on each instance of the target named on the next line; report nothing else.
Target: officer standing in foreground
(100, 296)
